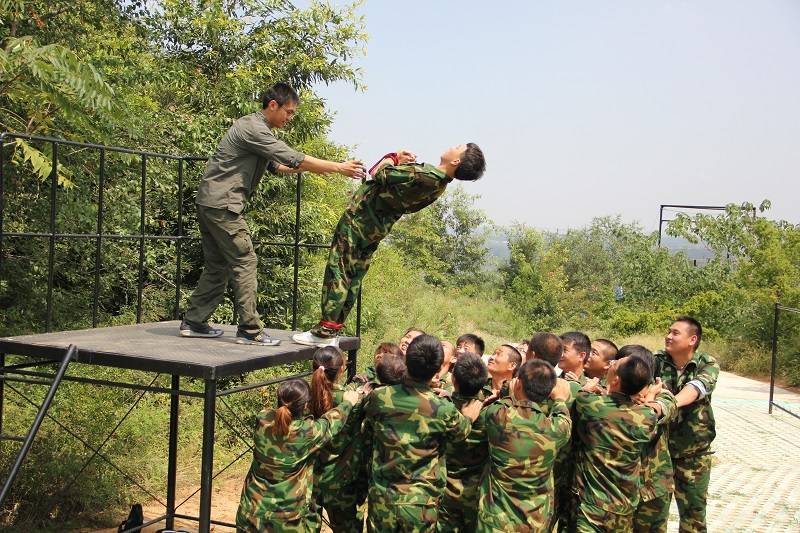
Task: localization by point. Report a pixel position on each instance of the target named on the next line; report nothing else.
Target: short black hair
(472, 165)
(579, 339)
(424, 357)
(694, 327)
(513, 357)
(282, 93)
(391, 369)
(538, 379)
(547, 346)
(639, 351)
(612, 349)
(470, 373)
(474, 339)
(634, 374)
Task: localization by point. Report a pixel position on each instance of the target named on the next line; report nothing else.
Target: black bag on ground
(135, 518)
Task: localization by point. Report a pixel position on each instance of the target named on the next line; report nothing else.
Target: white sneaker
(309, 339)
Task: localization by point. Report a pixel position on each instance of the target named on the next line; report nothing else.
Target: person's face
(571, 359)
(679, 340)
(407, 338)
(449, 354)
(499, 363)
(452, 156)
(466, 346)
(596, 365)
(279, 115)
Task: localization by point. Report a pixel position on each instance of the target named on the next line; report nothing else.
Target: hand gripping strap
(392, 155)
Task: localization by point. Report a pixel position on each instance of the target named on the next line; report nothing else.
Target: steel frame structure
(774, 365)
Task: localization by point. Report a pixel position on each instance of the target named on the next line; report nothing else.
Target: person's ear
(378, 357)
(273, 105)
(455, 162)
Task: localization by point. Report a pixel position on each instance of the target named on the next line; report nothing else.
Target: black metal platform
(153, 347)
(156, 347)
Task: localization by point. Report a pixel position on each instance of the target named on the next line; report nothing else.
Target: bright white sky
(587, 108)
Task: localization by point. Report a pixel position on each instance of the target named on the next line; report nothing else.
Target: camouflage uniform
(277, 492)
(524, 437)
(465, 466)
(411, 426)
(613, 432)
(336, 487)
(375, 207)
(690, 436)
(564, 470)
(445, 382)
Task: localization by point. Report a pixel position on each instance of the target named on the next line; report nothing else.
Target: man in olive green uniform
(692, 376)
(398, 186)
(410, 426)
(613, 431)
(466, 460)
(524, 432)
(232, 174)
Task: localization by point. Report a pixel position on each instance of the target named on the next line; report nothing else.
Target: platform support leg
(2, 388)
(48, 399)
(207, 465)
(172, 467)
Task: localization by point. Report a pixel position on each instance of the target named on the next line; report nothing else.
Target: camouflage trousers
(391, 517)
(343, 513)
(355, 240)
(458, 511)
(594, 520)
(277, 523)
(692, 476)
(652, 516)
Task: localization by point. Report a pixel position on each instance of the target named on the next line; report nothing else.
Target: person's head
(576, 349)
(328, 364)
(469, 342)
(535, 380)
(384, 348)
(424, 358)
(463, 162)
(629, 374)
(683, 337)
(545, 346)
(391, 369)
(469, 374)
(410, 335)
(278, 104)
(504, 362)
(449, 357)
(293, 396)
(600, 357)
(522, 347)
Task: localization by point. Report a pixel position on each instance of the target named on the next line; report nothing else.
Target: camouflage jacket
(338, 461)
(401, 189)
(657, 476)
(410, 426)
(444, 382)
(368, 379)
(613, 432)
(564, 467)
(280, 480)
(523, 439)
(693, 430)
(466, 459)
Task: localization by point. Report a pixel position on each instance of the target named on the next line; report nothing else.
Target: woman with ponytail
(277, 493)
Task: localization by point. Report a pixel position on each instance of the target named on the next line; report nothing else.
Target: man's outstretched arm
(352, 168)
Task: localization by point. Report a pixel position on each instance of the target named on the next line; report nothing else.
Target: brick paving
(755, 480)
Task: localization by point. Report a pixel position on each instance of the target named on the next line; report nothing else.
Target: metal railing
(180, 237)
(774, 366)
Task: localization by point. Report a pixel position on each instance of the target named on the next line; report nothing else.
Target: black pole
(172, 467)
(2, 194)
(774, 356)
(298, 191)
(660, 223)
(178, 244)
(51, 253)
(98, 242)
(140, 286)
(2, 388)
(207, 464)
(26, 445)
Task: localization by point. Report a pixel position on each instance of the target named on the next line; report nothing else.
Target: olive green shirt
(246, 151)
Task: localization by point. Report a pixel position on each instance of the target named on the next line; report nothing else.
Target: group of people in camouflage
(556, 433)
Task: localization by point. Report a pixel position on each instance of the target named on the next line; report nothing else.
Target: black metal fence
(777, 327)
(179, 237)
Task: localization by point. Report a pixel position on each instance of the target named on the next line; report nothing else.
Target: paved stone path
(755, 480)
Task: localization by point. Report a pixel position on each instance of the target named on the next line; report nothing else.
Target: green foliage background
(170, 77)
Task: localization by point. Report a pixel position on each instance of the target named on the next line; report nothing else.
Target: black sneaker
(255, 339)
(204, 330)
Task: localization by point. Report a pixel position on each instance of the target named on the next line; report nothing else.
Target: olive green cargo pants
(229, 257)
